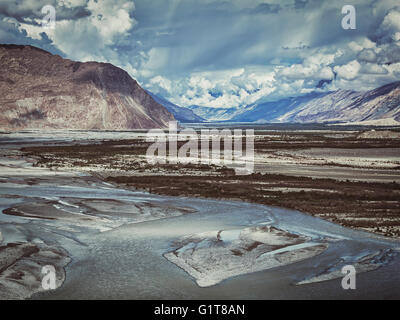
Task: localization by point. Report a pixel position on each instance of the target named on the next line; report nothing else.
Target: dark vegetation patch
(366, 205)
(352, 204)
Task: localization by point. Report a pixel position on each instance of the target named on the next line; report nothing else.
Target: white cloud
(111, 18)
(89, 37)
(162, 83)
(390, 25)
(348, 71)
(363, 43)
(223, 53)
(372, 68)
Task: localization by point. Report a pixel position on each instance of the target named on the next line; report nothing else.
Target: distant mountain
(215, 114)
(180, 113)
(382, 103)
(379, 106)
(272, 110)
(42, 90)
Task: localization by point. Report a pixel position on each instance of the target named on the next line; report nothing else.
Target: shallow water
(128, 263)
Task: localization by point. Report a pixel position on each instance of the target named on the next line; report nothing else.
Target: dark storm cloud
(266, 8)
(367, 55)
(26, 11)
(9, 34)
(300, 4)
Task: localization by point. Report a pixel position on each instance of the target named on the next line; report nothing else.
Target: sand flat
(212, 257)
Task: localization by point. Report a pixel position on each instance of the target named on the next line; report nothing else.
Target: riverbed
(116, 241)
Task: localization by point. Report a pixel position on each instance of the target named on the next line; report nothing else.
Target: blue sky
(220, 53)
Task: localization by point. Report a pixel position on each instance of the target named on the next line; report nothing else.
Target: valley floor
(66, 202)
(336, 175)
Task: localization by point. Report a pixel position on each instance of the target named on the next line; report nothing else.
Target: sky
(219, 53)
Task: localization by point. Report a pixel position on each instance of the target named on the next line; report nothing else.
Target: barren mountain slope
(41, 90)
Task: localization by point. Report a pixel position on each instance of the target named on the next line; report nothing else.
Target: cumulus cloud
(373, 69)
(221, 53)
(389, 29)
(304, 49)
(348, 71)
(85, 29)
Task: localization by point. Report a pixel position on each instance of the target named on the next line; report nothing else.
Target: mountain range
(42, 90)
(380, 106)
(382, 103)
(215, 114)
